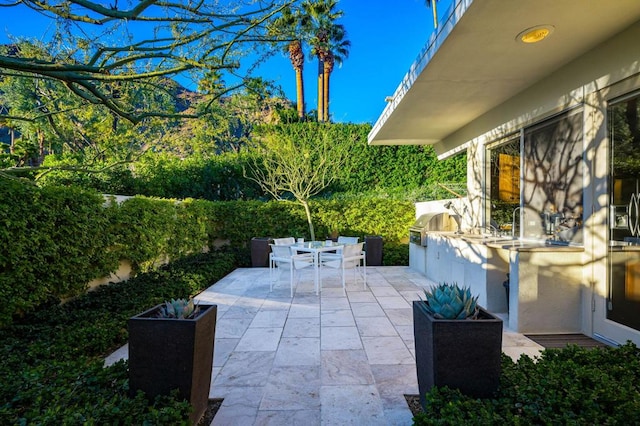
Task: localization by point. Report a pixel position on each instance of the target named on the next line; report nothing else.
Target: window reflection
(553, 180)
(623, 298)
(504, 184)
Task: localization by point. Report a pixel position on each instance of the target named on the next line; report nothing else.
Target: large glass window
(503, 186)
(553, 168)
(623, 304)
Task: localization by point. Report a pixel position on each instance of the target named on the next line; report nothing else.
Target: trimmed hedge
(57, 239)
(571, 386)
(398, 170)
(52, 243)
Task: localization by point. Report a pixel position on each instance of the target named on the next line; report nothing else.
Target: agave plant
(450, 301)
(178, 308)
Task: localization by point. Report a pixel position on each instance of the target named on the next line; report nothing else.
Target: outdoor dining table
(315, 248)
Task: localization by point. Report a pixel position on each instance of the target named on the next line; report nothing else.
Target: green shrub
(409, 172)
(104, 176)
(564, 386)
(58, 239)
(52, 369)
(237, 222)
(148, 231)
(52, 243)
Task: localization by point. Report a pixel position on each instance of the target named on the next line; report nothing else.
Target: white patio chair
(282, 258)
(352, 257)
(342, 240)
(287, 241)
(348, 240)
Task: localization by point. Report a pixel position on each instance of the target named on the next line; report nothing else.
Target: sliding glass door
(623, 298)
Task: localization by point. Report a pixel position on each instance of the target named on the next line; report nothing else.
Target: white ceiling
(476, 62)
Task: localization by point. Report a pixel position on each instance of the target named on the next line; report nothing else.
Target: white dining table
(315, 248)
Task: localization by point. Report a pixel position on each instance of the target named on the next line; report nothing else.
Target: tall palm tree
(296, 55)
(429, 3)
(322, 15)
(337, 50)
(319, 43)
(292, 25)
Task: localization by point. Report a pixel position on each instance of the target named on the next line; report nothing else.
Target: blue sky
(386, 37)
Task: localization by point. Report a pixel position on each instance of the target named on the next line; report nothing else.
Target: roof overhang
(476, 62)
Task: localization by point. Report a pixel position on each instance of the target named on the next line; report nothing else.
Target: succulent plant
(179, 308)
(450, 301)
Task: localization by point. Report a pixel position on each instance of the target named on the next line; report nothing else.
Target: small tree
(298, 161)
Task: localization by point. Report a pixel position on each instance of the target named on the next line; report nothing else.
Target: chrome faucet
(493, 230)
(513, 223)
(458, 218)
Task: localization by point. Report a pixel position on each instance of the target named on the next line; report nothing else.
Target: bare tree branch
(195, 37)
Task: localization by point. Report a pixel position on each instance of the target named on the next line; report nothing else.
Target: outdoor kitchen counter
(625, 248)
(517, 245)
(508, 243)
(545, 289)
(451, 257)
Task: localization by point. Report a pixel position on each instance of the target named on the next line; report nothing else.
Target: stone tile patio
(332, 359)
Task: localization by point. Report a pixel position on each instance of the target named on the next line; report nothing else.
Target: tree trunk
(300, 92)
(435, 14)
(114, 124)
(40, 148)
(307, 210)
(320, 90)
(327, 74)
(296, 56)
(12, 146)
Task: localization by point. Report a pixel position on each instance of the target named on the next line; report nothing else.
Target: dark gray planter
(373, 250)
(167, 354)
(260, 252)
(460, 354)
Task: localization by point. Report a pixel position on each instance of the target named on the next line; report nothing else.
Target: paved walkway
(319, 360)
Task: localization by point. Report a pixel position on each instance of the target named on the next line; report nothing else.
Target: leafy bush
(51, 244)
(395, 254)
(563, 386)
(403, 172)
(104, 176)
(238, 222)
(52, 370)
(58, 239)
(147, 231)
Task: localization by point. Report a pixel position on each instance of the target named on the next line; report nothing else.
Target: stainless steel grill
(430, 222)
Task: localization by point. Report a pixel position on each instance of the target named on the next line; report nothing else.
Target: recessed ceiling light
(535, 34)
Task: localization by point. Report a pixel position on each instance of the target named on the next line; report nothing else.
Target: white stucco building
(544, 97)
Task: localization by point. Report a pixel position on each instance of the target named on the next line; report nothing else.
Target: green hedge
(238, 222)
(52, 370)
(52, 243)
(397, 170)
(572, 386)
(163, 175)
(57, 239)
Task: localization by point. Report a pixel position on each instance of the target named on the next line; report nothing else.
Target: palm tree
(319, 43)
(293, 25)
(429, 3)
(296, 55)
(336, 51)
(324, 32)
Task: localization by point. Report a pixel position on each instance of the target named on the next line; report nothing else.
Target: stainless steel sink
(484, 239)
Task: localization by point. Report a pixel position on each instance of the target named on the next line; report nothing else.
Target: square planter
(168, 353)
(460, 354)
